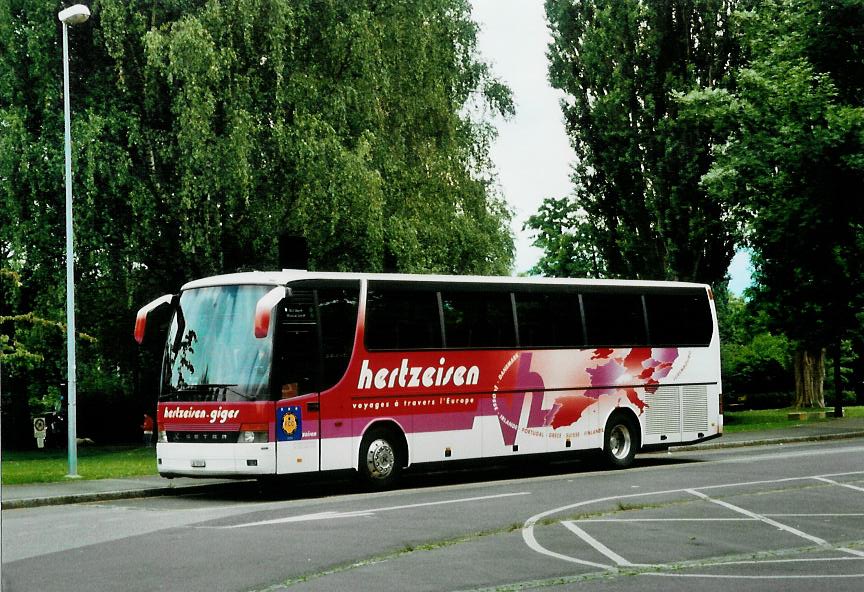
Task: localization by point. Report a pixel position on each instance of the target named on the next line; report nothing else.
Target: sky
(532, 154)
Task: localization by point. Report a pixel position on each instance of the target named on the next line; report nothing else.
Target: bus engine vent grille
(663, 414)
(695, 408)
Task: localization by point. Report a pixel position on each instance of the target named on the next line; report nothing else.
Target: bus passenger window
(549, 319)
(679, 319)
(614, 320)
(478, 319)
(402, 318)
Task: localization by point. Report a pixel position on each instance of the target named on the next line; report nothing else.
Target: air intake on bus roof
(293, 252)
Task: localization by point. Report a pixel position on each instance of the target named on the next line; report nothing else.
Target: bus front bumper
(215, 460)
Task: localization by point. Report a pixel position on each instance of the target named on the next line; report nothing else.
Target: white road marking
(858, 515)
(331, 515)
(779, 525)
(770, 577)
(600, 547)
(755, 516)
(846, 485)
(794, 560)
(628, 520)
(530, 539)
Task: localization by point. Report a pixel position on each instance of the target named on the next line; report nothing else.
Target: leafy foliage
(638, 203)
(567, 240)
(793, 160)
(204, 129)
(756, 364)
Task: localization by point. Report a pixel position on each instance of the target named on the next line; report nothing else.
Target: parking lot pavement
(809, 527)
(80, 491)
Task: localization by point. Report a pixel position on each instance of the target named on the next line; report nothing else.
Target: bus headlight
(248, 437)
(163, 436)
(252, 433)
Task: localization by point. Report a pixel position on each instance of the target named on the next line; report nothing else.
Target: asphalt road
(765, 518)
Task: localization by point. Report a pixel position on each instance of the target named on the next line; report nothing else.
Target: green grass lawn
(772, 419)
(99, 462)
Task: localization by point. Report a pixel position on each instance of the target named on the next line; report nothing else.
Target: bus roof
(281, 278)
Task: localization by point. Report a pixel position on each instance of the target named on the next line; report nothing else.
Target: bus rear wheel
(620, 441)
(379, 464)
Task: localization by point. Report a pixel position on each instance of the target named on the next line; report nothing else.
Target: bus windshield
(212, 353)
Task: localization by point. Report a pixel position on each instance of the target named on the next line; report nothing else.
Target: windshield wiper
(215, 388)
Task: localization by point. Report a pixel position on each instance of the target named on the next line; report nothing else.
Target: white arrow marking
(307, 517)
(332, 515)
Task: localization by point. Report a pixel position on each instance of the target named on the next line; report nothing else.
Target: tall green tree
(338, 121)
(204, 129)
(637, 198)
(755, 362)
(793, 166)
(568, 241)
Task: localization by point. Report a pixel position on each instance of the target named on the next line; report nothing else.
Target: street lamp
(74, 15)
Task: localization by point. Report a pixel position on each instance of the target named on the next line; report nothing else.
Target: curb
(770, 441)
(81, 498)
(100, 496)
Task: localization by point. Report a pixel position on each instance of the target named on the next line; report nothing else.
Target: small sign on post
(39, 431)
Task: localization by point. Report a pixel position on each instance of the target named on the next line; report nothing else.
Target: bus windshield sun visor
(141, 319)
(264, 310)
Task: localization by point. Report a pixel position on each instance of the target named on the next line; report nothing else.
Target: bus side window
(679, 319)
(402, 318)
(614, 320)
(337, 313)
(549, 319)
(478, 319)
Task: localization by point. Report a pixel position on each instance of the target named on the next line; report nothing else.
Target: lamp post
(74, 15)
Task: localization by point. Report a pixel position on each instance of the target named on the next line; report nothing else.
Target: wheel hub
(380, 459)
(619, 442)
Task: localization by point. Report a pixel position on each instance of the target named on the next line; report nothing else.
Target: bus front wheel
(620, 441)
(379, 462)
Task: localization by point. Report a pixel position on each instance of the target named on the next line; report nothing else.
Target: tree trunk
(838, 380)
(809, 376)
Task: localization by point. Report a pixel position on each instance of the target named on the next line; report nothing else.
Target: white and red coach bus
(294, 371)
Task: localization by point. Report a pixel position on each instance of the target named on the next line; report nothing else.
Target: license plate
(199, 464)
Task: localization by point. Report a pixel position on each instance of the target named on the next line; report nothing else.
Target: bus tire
(620, 440)
(380, 459)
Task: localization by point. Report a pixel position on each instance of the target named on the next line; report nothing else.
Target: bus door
(337, 321)
(314, 344)
(296, 375)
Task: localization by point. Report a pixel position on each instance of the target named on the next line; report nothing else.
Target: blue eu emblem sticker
(288, 425)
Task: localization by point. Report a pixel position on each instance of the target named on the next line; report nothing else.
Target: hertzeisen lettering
(406, 376)
(180, 413)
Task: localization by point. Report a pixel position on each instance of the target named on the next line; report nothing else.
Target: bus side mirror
(264, 310)
(141, 319)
